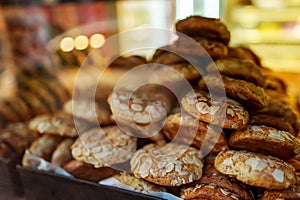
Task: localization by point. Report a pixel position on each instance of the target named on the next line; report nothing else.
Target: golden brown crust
(231, 115)
(256, 169)
(18, 143)
(190, 134)
(167, 165)
(88, 172)
(62, 153)
(265, 140)
(246, 93)
(242, 52)
(36, 105)
(205, 27)
(292, 193)
(240, 69)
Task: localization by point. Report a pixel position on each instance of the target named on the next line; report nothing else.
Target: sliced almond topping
(278, 175)
(202, 108)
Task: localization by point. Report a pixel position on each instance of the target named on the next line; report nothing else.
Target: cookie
(106, 146)
(167, 165)
(22, 130)
(256, 169)
(20, 107)
(59, 124)
(275, 83)
(265, 140)
(16, 142)
(246, 93)
(295, 163)
(36, 105)
(149, 104)
(200, 47)
(85, 109)
(205, 27)
(242, 52)
(231, 115)
(207, 191)
(228, 184)
(8, 114)
(128, 62)
(272, 121)
(165, 57)
(137, 184)
(88, 172)
(6, 152)
(194, 132)
(62, 153)
(292, 193)
(239, 69)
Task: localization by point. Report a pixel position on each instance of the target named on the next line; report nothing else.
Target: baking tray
(10, 182)
(49, 186)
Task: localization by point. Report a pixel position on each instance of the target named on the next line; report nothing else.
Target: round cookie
(272, 121)
(204, 27)
(165, 57)
(194, 132)
(106, 146)
(242, 52)
(167, 165)
(265, 140)
(215, 49)
(198, 104)
(237, 68)
(246, 93)
(292, 193)
(256, 169)
(59, 124)
(207, 191)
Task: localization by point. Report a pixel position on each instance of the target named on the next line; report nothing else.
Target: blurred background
(61, 33)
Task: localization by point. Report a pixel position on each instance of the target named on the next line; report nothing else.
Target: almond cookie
(62, 153)
(256, 169)
(231, 116)
(246, 93)
(200, 47)
(88, 172)
(205, 27)
(292, 193)
(208, 191)
(272, 121)
(194, 132)
(167, 165)
(237, 68)
(137, 184)
(265, 140)
(59, 124)
(85, 109)
(106, 146)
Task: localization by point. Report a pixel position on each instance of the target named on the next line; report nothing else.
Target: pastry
(62, 153)
(106, 146)
(59, 124)
(208, 138)
(239, 69)
(204, 27)
(16, 142)
(292, 193)
(246, 93)
(256, 169)
(231, 115)
(265, 140)
(167, 165)
(88, 172)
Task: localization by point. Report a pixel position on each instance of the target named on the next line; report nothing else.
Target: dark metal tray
(45, 185)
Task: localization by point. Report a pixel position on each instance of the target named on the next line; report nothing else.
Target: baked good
(88, 172)
(6, 152)
(106, 146)
(256, 169)
(231, 115)
(184, 129)
(275, 83)
(292, 193)
(95, 112)
(62, 153)
(265, 140)
(246, 93)
(204, 27)
(239, 69)
(207, 191)
(273, 121)
(164, 56)
(137, 184)
(15, 141)
(61, 124)
(168, 165)
(243, 52)
(36, 105)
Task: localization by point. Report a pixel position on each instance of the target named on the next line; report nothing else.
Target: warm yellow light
(296, 31)
(81, 42)
(97, 40)
(67, 44)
